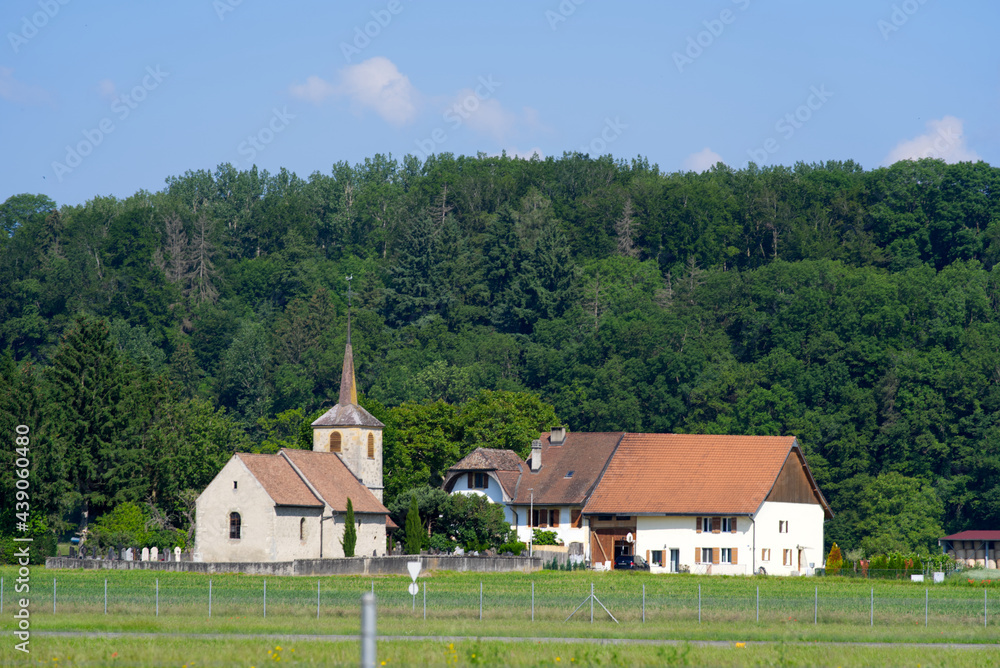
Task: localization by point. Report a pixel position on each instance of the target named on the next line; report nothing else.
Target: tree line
(152, 336)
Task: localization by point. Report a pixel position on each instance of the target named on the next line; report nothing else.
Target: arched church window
(235, 526)
(371, 446)
(335, 442)
(302, 529)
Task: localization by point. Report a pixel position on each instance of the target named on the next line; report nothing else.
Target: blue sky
(113, 98)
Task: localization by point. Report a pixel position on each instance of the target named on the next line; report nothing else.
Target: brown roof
(279, 480)
(974, 534)
(585, 454)
(690, 474)
(334, 481)
(488, 459)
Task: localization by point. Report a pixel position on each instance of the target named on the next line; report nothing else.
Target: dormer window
(570, 474)
(478, 480)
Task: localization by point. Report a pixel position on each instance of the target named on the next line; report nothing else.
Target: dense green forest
(148, 338)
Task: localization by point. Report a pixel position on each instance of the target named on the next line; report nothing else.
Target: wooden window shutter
(575, 514)
(716, 524)
(734, 555)
(534, 518)
(471, 480)
(554, 517)
(697, 525)
(732, 525)
(697, 554)
(647, 556)
(715, 555)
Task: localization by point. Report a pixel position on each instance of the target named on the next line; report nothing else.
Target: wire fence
(707, 600)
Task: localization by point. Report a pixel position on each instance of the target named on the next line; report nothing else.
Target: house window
(235, 526)
(657, 558)
(605, 518)
(706, 524)
(371, 446)
(726, 524)
(782, 526)
(478, 480)
(765, 554)
(574, 517)
(786, 557)
(704, 555)
(302, 529)
(545, 517)
(234, 484)
(554, 517)
(727, 555)
(335, 442)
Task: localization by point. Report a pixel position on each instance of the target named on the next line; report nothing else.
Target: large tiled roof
(975, 534)
(585, 454)
(279, 480)
(334, 481)
(689, 474)
(347, 415)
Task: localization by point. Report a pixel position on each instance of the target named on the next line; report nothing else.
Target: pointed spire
(348, 387)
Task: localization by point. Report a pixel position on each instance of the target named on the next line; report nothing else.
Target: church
(293, 504)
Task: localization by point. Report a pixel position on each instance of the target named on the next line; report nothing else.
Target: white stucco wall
(564, 532)
(805, 531)
(493, 492)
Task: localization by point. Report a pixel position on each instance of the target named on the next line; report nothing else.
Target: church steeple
(348, 386)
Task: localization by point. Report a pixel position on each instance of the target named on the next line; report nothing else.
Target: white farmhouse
(292, 505)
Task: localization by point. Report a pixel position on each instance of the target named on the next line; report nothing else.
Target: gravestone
(112, 554)
(124, 554)
(154, 554)
(129, 554)
(177, 554)
(145, 554)
(72, 552)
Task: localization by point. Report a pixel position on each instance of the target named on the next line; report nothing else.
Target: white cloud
(314, 90)
(19, 92)
(483, 115)
(107, 89)
(701, 161)
(373, 84)
(944, 139)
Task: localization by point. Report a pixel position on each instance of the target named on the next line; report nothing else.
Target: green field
(789, 619)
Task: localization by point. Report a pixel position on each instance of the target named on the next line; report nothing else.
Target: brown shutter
(716, 524)
(697, 554)
(697, 525)
(647, 557)
(534, 518)
(732, 525)
(575, 516)
(715, 555)
(554, 517)
(734, 555)
(471, 481)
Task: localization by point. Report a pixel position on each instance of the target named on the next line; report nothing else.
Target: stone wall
(388, 565)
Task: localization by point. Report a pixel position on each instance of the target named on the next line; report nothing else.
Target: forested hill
(857, 310)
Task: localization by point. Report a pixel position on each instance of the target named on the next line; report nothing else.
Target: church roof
(329, 476)
(280, 480)
(350, 415)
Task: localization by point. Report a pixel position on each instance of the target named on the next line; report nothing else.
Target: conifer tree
(414, 528)
(350, 531)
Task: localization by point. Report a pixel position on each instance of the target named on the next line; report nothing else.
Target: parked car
(630, 562)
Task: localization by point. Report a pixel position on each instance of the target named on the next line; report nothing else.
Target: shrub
(541, 537)
(515, 547)
(834, 561)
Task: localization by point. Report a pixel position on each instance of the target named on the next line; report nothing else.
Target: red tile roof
(689, 474)
(585, 454)
(975, 534)
(279, 480)
(334, 481)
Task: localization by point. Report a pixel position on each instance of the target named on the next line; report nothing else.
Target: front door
(802, 560)
(675, 561)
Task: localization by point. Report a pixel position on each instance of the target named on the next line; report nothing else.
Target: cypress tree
(414, 529)
(350, 531)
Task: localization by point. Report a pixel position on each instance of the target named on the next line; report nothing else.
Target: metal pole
(984, 607)
(53, 596)
(373, 586)
(1, 596)
(209, 597)
(368, 657)
(644, 604)
(926, 603)
(480, 600)
(532, 600)
(105, 596)
(265, 598)
(699, 604)
(816, 607)
(758, 603)
(317, 599)
(157, 597)
(425, 599)
(871, 621)
(591, 602)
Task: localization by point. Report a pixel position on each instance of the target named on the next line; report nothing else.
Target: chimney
(536, 455)
(558, 435)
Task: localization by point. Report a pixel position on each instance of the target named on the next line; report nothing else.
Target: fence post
(699, 604)
(532, 600)
(816, 606)
(265, 598)
(157, 597)
(926, 603)
(424, 583)
(591, 602)
(643, 604)
(54, 596)
(317, 599)
(871, 621)
(1, 595)
(984, 607)
(480, 600)
(368, 657)
(209, 597)
(758, 603)
(105, 596)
